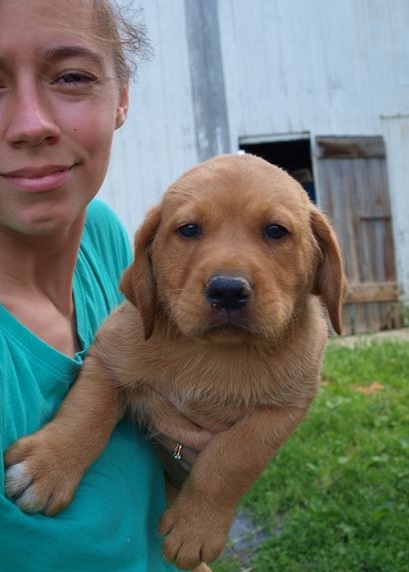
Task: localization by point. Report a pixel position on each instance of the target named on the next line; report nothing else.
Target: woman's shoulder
(105, 235)
(101, 217)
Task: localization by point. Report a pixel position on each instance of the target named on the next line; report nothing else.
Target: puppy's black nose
(228, 292)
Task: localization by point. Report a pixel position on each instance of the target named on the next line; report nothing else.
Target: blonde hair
(121, 29)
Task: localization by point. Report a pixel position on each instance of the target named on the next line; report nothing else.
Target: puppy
(223, 318)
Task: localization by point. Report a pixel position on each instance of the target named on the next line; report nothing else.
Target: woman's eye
(190, 230)
(274, 232)
(74, 78)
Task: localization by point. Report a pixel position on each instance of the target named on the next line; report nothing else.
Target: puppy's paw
(40, 475)
(193, 533)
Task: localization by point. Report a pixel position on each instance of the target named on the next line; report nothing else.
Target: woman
(63, 92)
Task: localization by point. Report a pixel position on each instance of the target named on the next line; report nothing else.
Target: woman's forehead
(48, 24)
(50, 10)
(67, 17)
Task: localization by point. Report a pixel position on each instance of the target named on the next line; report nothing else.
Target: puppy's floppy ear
(138, 281)
(329, 281)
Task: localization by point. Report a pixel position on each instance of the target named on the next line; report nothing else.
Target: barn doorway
(292, 155)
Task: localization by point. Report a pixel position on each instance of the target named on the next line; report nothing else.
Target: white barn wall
(290, 67)
(316, 66)
(396, 133)
(157, 141)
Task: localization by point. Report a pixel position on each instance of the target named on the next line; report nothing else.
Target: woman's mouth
(42, 179)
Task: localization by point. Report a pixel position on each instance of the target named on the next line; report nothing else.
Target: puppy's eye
(190, 230)
(275, 232)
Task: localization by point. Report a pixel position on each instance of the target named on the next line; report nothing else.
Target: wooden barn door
(353, 191)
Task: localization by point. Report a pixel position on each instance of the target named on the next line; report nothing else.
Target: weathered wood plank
(350, 147)
(335, 186)
(372, 292)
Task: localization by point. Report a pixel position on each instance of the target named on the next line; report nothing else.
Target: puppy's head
(233, 251)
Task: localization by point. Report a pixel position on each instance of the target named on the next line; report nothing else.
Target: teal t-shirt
(111, 523)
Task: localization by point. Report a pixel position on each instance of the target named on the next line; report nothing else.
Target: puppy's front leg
(197, 524)
(44, 469)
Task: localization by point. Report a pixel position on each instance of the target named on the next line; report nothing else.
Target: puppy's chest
(228, 384)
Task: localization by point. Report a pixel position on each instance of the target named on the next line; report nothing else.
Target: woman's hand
(192, 442)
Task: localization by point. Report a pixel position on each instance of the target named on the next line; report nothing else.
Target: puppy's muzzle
(228, 293)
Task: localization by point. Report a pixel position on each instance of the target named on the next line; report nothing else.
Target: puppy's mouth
(232, 320)
(227, 325)
(228, 330)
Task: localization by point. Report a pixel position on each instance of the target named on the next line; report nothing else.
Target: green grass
(336, 497)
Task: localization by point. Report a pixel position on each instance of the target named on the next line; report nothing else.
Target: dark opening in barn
(294, 156)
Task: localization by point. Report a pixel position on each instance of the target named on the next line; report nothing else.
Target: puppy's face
(232, 251)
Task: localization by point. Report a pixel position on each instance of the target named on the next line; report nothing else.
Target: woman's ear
(329, 281)
(123, 105)
(138, 281)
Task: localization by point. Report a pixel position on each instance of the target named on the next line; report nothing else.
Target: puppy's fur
(224, 319)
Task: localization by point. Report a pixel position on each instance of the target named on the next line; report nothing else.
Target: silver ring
(177, 452)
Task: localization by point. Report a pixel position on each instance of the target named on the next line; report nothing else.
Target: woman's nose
(31, 120)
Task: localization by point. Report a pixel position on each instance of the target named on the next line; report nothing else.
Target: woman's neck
(42, 264)
(36, 281)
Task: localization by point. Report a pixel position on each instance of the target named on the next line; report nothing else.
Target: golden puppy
(223, 318)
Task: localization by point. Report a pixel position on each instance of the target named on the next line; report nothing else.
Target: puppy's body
(223, 319)
(226, 383)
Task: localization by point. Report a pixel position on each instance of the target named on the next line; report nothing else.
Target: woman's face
(60, 102)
